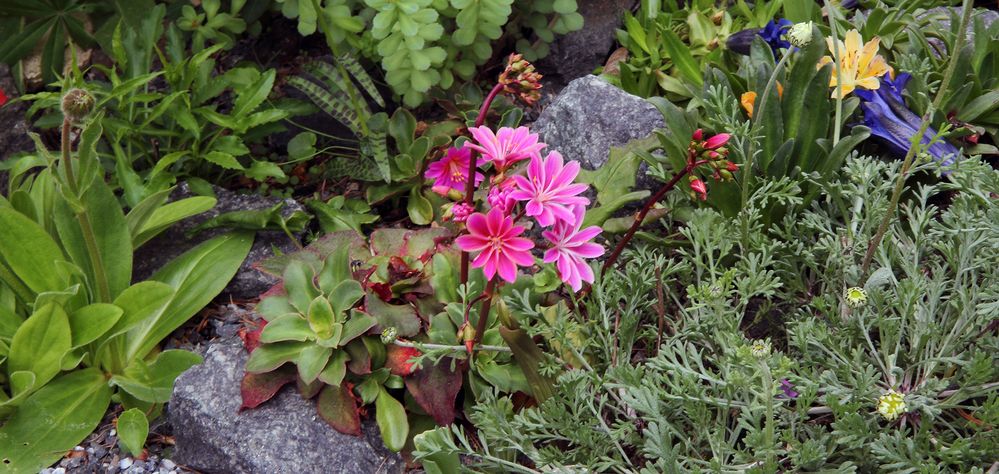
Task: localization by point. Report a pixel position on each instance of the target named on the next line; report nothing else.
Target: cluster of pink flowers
(549, 196)
(711, 152)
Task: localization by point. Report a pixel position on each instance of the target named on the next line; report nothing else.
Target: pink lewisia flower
(461, 211)
(571, 246)
(507, 146)
(499, 196)
(549, 191)
(451, 171)
(495, 238)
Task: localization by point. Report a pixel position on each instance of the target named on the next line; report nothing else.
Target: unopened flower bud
(467, 334)
(76, 104)
(800, 34)
(520, 80)
(698, 135)
(389, 335)
(698, 187)
(760, 348)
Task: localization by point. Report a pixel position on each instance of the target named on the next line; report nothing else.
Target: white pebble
(168, 464)
(78, 448)
(125, 464)
(59, 470)
(112, 432)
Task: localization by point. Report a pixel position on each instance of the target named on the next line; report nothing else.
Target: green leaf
(287, 327)
(231, 145)
(401, 317)
(250, 98)
(268, 357)
(30, 252)
(336, 369)
(40, 344)
(90, 322)
(392, 421)
(197, 276)
(358, 324)
(298, 283)
(311, 361)
(679, 53)
(261, 170)
(321, 316)
(302, 146)
(421, 212)
(71, 407)
(133, 428)
(163, 217)
(223, 159)
(344, 296)
(153, 382)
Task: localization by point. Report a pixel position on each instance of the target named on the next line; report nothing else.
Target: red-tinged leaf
(276, 290)
(338, 407)
(360, 358)
(397, 359)
(308, 390)
(399, 270)
(251, 337)
(258, 388)
(383, 290)
(435, 388)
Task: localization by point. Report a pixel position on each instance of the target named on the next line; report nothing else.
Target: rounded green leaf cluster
(423, 44)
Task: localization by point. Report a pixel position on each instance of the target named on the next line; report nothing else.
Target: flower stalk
(917, 138)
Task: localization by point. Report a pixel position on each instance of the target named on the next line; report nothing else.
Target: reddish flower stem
(645, 211)
(472, 165)
(480, 326)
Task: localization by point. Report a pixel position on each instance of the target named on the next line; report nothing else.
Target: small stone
(78, 448)
(168, 464)
(59, 470)
(47, 470)
(112, 433)
(125, 463)
(90, 451)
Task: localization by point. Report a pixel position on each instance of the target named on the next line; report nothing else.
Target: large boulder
(578, 53)
(590, 116)
(284, 435)
(248, 282)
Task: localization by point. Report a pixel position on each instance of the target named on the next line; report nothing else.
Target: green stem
(916, 141)
(89, 236)
(768, 393)
(747, 169)
(837, 126)
(463, 349)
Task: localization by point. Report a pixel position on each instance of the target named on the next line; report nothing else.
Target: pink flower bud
(717, 141)
(698, 135)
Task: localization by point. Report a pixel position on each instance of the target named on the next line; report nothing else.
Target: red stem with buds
(645, 211)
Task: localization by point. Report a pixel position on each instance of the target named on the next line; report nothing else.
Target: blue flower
(888, 117)
(773, 34)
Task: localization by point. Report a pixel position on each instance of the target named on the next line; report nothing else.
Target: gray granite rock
(248, 282)
(284, 435)
(578, 53)
(590, 116)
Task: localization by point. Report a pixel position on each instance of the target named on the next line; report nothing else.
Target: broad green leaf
(336, 269)
(358, 324)
(321, 317)
(133, 428)
(287, 327)
(261, 170)
(30, 252)
(40, 344)
(345, 296)
(152, 382)
(421, 212)
(336, 369)
(90, 322)
(311, 361)
(53, 420)
(298, 284)
(268, 357)
(392, 420)
(401, 317)
(197, 276)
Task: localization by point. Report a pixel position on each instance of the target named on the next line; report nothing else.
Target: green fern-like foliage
(427, 44)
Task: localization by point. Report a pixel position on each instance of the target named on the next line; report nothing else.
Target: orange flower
(860, 67)
(748, 98)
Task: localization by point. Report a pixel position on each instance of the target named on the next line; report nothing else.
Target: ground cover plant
(795, 270)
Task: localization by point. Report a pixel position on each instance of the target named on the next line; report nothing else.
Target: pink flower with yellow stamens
(451, 171)
(570, 247)
(549, 190)
(505, 147)
(496, 239)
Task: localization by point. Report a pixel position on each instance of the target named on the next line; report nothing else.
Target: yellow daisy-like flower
(855, 297)
(861, 66)
(891, 405)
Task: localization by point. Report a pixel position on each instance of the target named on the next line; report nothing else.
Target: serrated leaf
(223, 159)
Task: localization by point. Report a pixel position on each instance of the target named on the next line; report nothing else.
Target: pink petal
(477, 224)
(507, 270)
